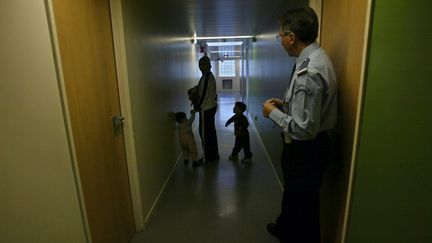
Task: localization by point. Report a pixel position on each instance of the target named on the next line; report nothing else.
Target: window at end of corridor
(227, 68)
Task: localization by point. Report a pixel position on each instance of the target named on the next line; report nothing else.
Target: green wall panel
(392, 193)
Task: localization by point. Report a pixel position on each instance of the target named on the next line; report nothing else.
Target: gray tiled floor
(221, 202)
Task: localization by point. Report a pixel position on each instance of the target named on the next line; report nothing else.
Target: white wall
(162, 66)
(39, 201)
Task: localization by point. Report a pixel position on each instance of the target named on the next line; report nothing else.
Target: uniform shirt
(310, 101)
(210, 98)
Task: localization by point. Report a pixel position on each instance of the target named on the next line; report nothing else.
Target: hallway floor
(227, 201)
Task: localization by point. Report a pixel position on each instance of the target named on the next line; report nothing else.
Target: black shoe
(197, 163)
(273, 229)
(211, 160)
(186, 161)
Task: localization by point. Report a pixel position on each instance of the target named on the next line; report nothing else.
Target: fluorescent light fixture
(224, 51)
(224, 37)
(228, 43)
(195, 39)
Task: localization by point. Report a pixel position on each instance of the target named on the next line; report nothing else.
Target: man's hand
(268, 107)
(276, 102)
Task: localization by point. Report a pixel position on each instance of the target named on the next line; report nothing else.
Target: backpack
(194, 95)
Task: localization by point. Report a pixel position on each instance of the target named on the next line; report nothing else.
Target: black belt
(318, 136)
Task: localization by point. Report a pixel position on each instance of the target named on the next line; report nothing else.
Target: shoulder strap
(303, 67)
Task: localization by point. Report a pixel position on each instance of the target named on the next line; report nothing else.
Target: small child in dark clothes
(186, 138)
(241, 132)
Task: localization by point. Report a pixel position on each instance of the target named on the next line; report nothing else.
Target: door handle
(117, 121)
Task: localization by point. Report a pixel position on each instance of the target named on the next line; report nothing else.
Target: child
(186, 138)
(241, 132)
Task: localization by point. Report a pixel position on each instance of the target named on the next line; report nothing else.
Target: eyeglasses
(279, 36)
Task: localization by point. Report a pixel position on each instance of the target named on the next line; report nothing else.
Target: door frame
(65, 107)
(125, 107)
(360, 101)
(317, 6)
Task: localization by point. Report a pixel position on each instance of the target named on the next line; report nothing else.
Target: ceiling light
(195, 39)
(227, 43)
(224, 37)
(224, 51)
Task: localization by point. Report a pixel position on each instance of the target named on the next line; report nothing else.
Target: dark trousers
(242, 142)
(207, 131)
(303, 165)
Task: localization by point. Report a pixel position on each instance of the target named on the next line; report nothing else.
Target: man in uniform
(305, 114)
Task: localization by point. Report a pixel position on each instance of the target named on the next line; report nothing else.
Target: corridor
(228, 201)
(89, 151)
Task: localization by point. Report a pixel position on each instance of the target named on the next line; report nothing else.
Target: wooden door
(87, 56)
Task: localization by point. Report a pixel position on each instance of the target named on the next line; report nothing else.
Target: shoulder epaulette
(303, 67)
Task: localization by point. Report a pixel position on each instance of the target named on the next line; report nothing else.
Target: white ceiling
(232, 17)
(215, 17)
(212, 17)
(229, 18)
